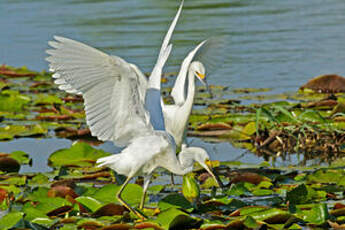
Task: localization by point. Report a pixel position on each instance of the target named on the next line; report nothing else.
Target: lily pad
(12, 101)
(80, 154)
(107, 194)
(174, 200)
(10, 131)
(10, 220)
(173, 218)
(21, 157)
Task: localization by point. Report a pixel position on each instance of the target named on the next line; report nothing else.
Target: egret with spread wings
(114, 93)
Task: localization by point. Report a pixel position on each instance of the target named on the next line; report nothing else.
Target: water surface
(277, 44)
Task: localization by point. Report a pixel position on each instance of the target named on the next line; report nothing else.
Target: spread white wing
(153, 98)
(113, 90)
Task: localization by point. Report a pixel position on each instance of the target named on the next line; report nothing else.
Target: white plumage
(114, 94)
(112, 89)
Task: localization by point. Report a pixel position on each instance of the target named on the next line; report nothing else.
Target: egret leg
(172, 179)
(147, 180)
(118, 196)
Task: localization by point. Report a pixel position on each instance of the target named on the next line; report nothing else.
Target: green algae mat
(76, 194)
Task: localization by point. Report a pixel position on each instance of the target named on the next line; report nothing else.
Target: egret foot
(118, 196)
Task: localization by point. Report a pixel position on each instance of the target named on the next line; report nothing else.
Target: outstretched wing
(171, 29)
(155, 77)
(113, 90)
(153, 97)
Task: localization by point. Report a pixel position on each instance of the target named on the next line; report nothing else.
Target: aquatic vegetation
(76, 194)
(82, 195)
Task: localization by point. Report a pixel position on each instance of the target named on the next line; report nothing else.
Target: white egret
(208, 55)
(176, 115)
(211, 52)
(114, 94)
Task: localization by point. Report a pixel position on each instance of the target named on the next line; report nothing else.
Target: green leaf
(38, 193)
(272, 215)
(18, 181)
(248, 130)
(251, 209)
(209, 183)
(173, 218)
(317, 215)
(155, 189)
(80, 154)
(32, 213)
(11, 188)
(48, 204)
(269, 115)
(174, 200)
(10, 220)
(325, 176)
(89, 202)
(265, 184)
(287, 113)
(11, 131)
(39, 179)
(262, 192)
(311, 116)
(250, 222)
(44, 99)
(238, 189)
(107, 194)
(69, 227)
(12, 101)
(297, 195)
(295, 227)
(46, 222)
(21, 157)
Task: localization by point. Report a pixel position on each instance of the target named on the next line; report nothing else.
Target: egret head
(199, 71)
(201, 156)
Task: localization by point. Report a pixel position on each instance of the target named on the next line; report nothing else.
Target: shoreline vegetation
(78, 195)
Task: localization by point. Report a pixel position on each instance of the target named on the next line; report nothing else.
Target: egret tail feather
(106, 161)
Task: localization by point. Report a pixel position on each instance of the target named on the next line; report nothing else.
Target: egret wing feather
(171, 29)
(155, 77)
(111, 88)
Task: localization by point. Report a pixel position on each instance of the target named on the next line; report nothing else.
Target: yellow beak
(208, 168)
(201, 76)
